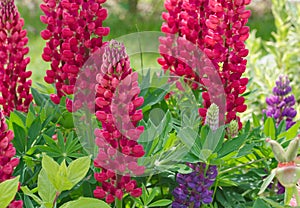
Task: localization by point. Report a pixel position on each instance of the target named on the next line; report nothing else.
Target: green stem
(119, 203)
(239, 166)
(55, 199)
(289, 191)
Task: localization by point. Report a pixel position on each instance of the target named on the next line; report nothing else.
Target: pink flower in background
(7, 152)
(116, 108)
(218, 28)
(14, 85)
(73, 33)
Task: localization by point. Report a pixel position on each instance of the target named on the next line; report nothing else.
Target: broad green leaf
(162, 202)
(35, 128)
(28, 192)
(15, 118)
(51, 168)
(266, 182)
(259, 203)
(84, 202)
(30, 118)
(78, 169)
(231, 145)
(255, 120)
(269, 128)
(63, 180)
(293, 131)
(20, 138)
(213, 138)
(45, 188)
(8, 190)
(151, 196)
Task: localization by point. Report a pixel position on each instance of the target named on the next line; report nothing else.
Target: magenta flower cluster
(7, 153)
(217, 27)
(14, 85)
(116, 108)
(280, 104)
(73, 33)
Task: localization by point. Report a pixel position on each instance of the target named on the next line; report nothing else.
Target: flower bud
(278, 151)
(292, 150)
(212, 117)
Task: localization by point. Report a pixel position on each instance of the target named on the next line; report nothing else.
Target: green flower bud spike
(233, 129)
(212, 117)
(278, 151)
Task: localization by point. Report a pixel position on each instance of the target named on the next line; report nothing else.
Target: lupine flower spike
(14, 85)
(116, 108)
(73, 33)
(280, 104)
(218, 29)
(287, 171)
(194, 188)
(7, 153)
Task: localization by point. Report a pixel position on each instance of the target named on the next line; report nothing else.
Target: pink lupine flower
(14, 86)
(218, 28)
(7, 152)
(116, 108)
(74, 31)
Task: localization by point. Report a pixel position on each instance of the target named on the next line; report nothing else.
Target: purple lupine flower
(15, 83)
(280, 104)
(194, 188)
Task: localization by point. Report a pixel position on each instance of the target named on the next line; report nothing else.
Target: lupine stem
(119, 203)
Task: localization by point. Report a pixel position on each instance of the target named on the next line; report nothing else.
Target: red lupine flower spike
(218, 28)
(14, 86)
(7, 152)
(73, 33)
(116, 108)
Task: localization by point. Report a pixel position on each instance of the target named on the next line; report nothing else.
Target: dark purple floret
(280, 104)
(194, 188)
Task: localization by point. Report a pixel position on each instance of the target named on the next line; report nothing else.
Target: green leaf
(269, 128)
(78, 169)
(45, 188)
(30, 118)
(213, 138)
(15, 118)
(293, 131)
(20, 138)
(51, 168)
(62, 177)
(231, 145)
(28, 192)
(255, 120)
(8, 190)
(151, 196)
(38, 97)
(84, 202)
(259, 203)
(162, 202)
(266, 182)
